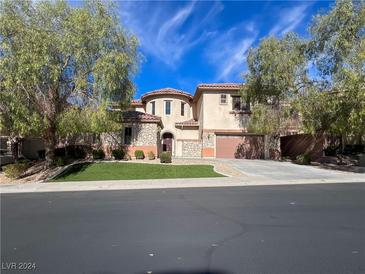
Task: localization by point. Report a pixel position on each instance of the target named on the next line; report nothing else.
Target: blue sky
(186, 43)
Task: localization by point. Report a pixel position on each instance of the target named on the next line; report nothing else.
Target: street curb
(163, 184)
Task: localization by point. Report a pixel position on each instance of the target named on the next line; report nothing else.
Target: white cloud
(228, 52)
(168, 33)
(290, 19)
(238, 57)
(171, 25)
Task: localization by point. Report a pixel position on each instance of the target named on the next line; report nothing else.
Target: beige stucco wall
(187, 133)
(140, 109)
(175, 116)
(169, 121)
(217, 116)
(199, 113)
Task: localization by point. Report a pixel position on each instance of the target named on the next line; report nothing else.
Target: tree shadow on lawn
(73, 169)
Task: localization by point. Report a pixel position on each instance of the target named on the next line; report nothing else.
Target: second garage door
(240, 146)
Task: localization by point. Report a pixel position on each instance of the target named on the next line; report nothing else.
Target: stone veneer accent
(111, 139)
(208, 139)
(191, 148)
(144, 134)
(144, 137)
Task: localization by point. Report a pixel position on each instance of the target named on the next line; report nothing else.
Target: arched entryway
(167, 142)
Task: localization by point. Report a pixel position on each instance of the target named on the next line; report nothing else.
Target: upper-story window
(153, 107)
(167, 107)
(127, 135)
(238, 103)
(182, 109)
(223, 99)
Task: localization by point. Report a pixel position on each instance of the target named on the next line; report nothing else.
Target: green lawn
(132, 171)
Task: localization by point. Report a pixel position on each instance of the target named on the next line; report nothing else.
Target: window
(153, 108)
(238, 104)
(182, 109)
(167, 107)
(223, 99)
(127, 135)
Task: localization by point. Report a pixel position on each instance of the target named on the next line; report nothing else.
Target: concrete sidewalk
(169, 183)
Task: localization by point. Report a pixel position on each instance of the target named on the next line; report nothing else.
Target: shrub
(303, 159)
(98, 154)
(77, 151)
(285, 159)
(23, 161)
(354, 149)
(139, 154)
(331, 150)
(165, 157)
(73, 151)
(15, 170)
(60, 152)
(118, 154)
(151, 155)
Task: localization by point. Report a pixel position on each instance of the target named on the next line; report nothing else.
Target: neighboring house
(212, 123)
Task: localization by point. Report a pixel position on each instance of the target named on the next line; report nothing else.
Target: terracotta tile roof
(215, 86)
(167, 91)
(190, 122)
(137, 116)
(136, 102)
(220, 85)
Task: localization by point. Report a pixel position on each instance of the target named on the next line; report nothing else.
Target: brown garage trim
(225, 130)
(239, 133)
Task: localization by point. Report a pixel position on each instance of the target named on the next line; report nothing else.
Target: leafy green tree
(91, 119)
(55, 58)
(336, 37)
(277, 70)
(318, 112)
(332, 98)
(264, 120)
(272, 122)
(337, 50)
(267, 120)
(277, 73)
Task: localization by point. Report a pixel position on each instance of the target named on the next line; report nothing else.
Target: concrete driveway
(265, 169)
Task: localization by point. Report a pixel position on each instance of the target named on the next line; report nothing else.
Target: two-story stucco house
(211, 123)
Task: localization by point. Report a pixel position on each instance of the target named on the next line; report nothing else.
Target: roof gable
(166, 91)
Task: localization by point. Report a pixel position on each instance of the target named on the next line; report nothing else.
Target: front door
(167, 142)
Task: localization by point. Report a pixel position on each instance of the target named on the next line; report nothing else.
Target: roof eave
(199, 89)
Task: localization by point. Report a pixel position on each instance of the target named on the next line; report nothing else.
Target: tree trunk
(51, 110)
(14, 145)
(50, 144)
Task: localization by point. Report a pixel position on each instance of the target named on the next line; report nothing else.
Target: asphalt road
(266, 229)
